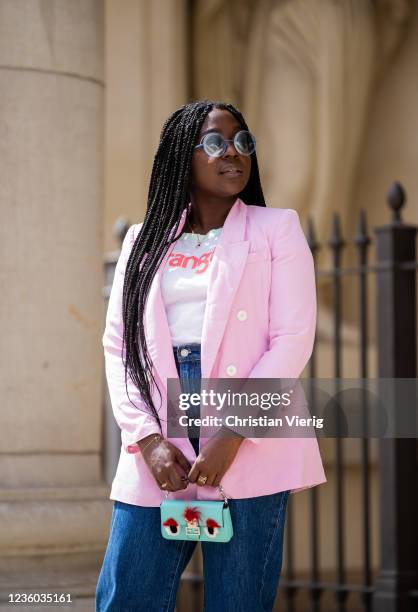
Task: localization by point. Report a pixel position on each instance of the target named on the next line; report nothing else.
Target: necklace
(199, 239)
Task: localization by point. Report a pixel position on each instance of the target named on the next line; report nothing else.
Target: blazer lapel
(227, 266)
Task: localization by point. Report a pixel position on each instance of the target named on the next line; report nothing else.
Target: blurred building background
(330, 89)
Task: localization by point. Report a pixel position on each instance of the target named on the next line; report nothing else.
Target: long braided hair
(168, 196)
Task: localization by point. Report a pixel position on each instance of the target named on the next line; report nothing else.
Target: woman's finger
(179, 477)
(166, 477)
(160, 484)
(208, 479)
(185, 464)
(193, 473)
(217, 480)
(212, 479)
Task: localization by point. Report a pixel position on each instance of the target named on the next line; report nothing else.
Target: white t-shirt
(184, 285)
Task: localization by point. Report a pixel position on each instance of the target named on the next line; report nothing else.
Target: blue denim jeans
(190, 374)
(141, 570)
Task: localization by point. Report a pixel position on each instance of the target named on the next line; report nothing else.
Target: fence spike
(362, 238)
(336, 240)
(396, 198)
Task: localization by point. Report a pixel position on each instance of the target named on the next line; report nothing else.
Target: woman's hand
(215, 458)
(166, 463)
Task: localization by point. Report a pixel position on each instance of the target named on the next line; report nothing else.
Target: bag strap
(221, 491)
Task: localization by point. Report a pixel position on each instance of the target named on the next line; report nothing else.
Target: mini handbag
(204, 520)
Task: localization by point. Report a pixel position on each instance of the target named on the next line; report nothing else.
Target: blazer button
(241, 315)
(231, 370)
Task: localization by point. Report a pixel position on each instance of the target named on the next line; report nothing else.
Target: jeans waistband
(193, 352)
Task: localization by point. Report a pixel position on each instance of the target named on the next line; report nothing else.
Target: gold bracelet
(156, 437)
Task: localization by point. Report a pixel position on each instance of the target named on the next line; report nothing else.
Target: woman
(212, 284)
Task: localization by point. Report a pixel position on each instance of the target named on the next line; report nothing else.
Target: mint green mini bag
(204, 520)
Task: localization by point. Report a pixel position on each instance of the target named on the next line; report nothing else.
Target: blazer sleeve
(134, 422)
(292, 304)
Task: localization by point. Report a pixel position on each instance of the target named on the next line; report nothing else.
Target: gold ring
(202, 479)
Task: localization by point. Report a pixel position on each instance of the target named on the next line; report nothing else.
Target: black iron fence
(393, 587)
(388, 583)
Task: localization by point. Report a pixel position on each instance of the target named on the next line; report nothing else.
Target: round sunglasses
(215, 145)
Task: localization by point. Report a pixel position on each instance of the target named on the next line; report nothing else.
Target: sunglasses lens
(244, 142)
(213, 144)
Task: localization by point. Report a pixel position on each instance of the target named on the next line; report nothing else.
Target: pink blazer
(263, 266)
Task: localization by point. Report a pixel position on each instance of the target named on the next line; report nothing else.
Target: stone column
(54, 511)
(147, 79)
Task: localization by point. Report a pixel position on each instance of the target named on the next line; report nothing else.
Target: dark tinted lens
(213, 144)
(244, 142)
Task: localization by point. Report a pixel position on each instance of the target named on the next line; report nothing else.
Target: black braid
(168, 196)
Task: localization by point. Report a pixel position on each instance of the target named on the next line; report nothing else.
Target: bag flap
(178, 510)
